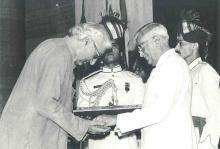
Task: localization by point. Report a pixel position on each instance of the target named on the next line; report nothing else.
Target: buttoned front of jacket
(206, 102)
(130, 88)
(130, 91)
(165, 119)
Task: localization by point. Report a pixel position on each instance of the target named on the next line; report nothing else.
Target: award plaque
(91, 112)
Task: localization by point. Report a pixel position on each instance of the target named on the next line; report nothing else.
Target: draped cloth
(138, 12)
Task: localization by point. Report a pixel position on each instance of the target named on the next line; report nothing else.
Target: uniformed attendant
(192, 45)
(124, 87)
(110, 86)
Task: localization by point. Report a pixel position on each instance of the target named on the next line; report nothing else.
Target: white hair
(152, 29)
(91, 32)
(86, 31)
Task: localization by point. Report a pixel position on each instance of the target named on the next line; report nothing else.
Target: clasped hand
(101, 124)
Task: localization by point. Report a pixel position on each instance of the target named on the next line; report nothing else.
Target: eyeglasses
(98, 54)
(141, 46)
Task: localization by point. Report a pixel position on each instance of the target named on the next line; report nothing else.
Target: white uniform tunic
(130, 91)
(206, 102)
(165, 118)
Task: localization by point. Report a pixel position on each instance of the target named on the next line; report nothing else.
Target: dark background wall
(12, 45)
(23, 25)
(47, 19)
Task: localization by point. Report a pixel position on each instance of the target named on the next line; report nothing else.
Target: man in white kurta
(38, 114)
(206, 102)
(165, 116)
(192, 46)
(165, 119)
(126, 89)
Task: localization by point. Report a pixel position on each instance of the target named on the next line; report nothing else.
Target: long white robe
(206, 102)
(165, 118)
(38, 112)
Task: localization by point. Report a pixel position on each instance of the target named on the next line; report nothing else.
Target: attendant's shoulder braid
(99, 92)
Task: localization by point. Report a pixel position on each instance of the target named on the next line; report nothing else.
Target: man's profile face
(184, 48)
(94, 48)
(89, 51)
(147, 49)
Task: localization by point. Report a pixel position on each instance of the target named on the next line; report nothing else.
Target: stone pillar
(12, 45)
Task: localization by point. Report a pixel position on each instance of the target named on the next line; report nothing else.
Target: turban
(113, 26)
(190, 27)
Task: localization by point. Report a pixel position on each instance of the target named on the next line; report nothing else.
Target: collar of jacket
(117, 68)
(164, 56)
(195, 62)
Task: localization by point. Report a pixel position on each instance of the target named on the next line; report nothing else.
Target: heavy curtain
(136, 12)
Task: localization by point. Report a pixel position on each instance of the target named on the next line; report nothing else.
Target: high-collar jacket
(206, 101)
(165, 118)
(129, 87)
(130, 91)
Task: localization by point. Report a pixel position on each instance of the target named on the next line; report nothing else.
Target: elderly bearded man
(38, 112)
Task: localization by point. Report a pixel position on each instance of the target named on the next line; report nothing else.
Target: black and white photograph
(109, 74)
